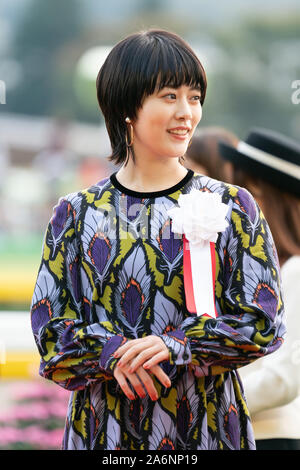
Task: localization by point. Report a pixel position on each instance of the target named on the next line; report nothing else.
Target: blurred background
(53, 140)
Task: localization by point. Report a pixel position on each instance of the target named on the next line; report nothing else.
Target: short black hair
(137, 66)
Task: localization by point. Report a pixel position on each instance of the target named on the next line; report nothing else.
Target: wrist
(178, 346)
(107, 361)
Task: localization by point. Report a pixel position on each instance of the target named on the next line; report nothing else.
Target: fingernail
(120, 364)
(146, 366)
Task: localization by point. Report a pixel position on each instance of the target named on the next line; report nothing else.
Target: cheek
(198, 114)
(158, 119)
(151, 125)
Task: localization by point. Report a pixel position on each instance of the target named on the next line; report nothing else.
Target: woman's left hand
(140, 350)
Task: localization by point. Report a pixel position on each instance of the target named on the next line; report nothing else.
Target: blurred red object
(91, 170)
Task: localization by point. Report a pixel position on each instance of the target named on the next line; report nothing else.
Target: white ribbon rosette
(199, 216)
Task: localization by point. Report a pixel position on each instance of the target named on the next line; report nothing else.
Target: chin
(177, 155)
(178, 152)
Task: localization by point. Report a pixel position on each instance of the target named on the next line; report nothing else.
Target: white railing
(15, 332)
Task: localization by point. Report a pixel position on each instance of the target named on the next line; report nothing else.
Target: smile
(179, 134)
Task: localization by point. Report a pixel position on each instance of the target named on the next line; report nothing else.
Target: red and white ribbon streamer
(199, 268)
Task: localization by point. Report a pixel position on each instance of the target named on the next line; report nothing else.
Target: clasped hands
(137, 358)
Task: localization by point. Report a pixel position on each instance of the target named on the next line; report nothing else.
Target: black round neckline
(147, 194)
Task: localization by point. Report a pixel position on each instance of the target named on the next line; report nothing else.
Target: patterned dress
(112, 271)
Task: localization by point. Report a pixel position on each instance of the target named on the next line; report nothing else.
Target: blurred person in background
(55, 160)
(4, 163)
(91, 168)
(109, 312)
(268, 165)
(203, 155)
(4, 169)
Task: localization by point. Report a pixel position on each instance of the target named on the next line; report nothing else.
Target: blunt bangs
(139, 65)
(169, 66)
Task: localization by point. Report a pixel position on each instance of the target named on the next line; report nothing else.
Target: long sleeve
(75, 347)
(250, 322)
(277, 381)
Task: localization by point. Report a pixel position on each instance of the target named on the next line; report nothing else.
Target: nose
(184, 110)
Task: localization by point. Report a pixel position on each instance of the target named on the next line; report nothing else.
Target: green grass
(20, 247)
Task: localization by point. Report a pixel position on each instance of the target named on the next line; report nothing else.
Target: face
(166, 122)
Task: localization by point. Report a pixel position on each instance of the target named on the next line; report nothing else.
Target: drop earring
(131, 133)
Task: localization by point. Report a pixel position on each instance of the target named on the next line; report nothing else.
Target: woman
(269, 166)
(109, 311)
(203, 155)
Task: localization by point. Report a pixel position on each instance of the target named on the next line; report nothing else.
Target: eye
(170, 94)
(198, 97)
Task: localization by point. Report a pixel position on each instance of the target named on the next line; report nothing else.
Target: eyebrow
(191, 88)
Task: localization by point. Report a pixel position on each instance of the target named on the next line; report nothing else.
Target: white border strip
(274, 162)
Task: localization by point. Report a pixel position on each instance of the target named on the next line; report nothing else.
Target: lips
(179, 133)
(179, 130)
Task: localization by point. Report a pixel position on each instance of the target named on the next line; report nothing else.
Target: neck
(155, 176)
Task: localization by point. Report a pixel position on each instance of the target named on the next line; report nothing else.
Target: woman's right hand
(139, 380)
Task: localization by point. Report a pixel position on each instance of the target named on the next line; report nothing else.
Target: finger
(121, 379)
(126, 347)
(159, 357)
(132, 353)
(133, 342)
(161, 375)
(148, 383)
(136, 384)
(142, 357)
